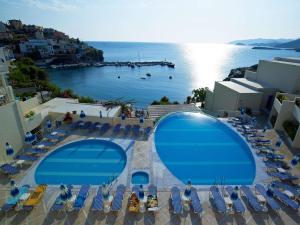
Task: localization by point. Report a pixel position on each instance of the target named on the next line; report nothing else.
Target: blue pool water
(140, 177)
(203, 149)
(82, 162)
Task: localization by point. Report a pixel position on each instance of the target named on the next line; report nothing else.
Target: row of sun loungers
(103, 128)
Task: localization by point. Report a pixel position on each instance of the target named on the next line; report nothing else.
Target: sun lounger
(290, 188)
(76, 124)
(176, 200)
(105, 128)
(97, 203)
(87, 125)
(34, 198)
(127, 129)
(147, 131)
(285, 199)
(218, 199)
(118, 198)
(52, 138)
(195, 202)
(276, 165)
(59, 204)
(34, 151)
(95, 126)
(283, 176)
(28, 158)
(274, 156)
(136, 130)
(9, 169)
(11, 202)
(81, 197)
(237, 204)
(43, 145)
(271, 202)
(117, 128)
(252, 200)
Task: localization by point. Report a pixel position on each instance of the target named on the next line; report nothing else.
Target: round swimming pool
(82, 162)
(203, 149)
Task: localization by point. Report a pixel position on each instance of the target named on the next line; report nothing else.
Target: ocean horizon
(196, 65)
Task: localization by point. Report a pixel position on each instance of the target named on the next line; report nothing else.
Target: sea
(196, 65)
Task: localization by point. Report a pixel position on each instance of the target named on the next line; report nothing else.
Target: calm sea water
(197, 65)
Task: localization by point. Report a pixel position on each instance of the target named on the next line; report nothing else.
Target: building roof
(156, 111)
(237, 87)
(63, 105)
(250, 84)
(290, 60)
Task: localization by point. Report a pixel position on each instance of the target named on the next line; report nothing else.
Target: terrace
(140, 152)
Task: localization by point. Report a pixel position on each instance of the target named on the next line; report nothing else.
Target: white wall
(29, 104)
(11, 129)
(283, 76)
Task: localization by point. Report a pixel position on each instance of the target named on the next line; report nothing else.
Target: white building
(273, 89)
(44, 47)
(258, 89)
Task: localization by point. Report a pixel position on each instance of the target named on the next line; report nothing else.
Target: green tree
(199, 94)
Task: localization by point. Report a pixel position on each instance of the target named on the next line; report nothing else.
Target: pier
(116, 64)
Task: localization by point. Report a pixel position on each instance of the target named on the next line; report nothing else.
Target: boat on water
(171, 65)
(170, 77)
(148, 74)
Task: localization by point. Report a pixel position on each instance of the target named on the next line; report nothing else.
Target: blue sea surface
(202, 149)
(196, 65)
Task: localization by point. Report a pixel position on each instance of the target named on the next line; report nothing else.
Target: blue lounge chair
(276, 165)
(117, 128)
(28, 158)
(148, 131)
(104, 128)
(285, 199)
(97, 203)
(292, 189)
(252, 200)
(87, 125)
(176, 200)
(52, 138)
(127, 129)
(118, 198)
(283, 176)
(95, 126)
(34, 151)
(11, 202)
(271, 202)
(274, 156)
(81, 197)
(263, 141)
(195, 201)
(59, 204)
(76, 124)
(136, 130)
(45, 143)
(237, 204)
(218, 199)
(9, 169)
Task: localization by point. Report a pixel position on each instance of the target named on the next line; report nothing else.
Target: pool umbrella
(295, 160)
(269, 191)
(187, 191)
(27, 138)
(14, 189)
(9, 149)
(234, 195)
(265, 129)
(141, 119)
(82, 114)
(278, 143)
(100, 114)
(65, 192)
(105, 191)
(141, 192)
(48, 124)
(32, 137)
(123, 116)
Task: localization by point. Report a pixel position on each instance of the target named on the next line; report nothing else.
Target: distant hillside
(262, 42)
(292, 44)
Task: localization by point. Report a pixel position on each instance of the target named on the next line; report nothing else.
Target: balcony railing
(33, 122)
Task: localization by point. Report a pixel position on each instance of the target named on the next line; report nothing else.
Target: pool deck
(141, 156)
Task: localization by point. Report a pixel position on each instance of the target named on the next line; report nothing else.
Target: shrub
(281, 97)
(30, 114)
(290, 128)
(84, 99)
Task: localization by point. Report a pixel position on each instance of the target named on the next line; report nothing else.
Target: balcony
(33, 122)
(277, 105)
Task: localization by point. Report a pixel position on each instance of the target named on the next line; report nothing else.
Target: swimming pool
(82, 162)
(203, 149)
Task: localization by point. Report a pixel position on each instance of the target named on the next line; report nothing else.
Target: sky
(183, 21)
